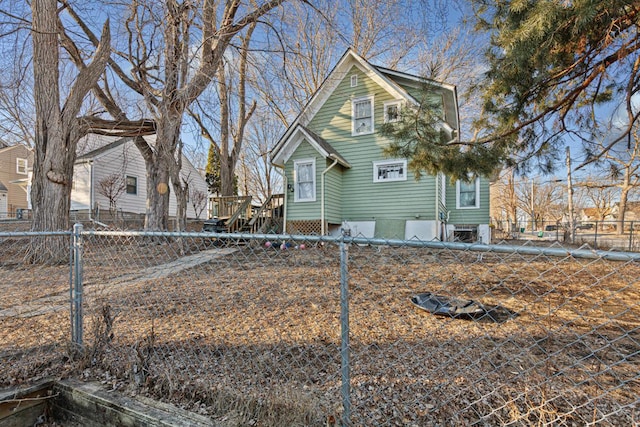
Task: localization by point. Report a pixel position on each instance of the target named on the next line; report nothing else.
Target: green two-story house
(336, 176)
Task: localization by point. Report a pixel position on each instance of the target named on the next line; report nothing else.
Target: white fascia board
(292, 143)
(417, 79)
(316, 102)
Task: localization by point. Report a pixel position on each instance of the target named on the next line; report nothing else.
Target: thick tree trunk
(181, 202)
(53, 166)
(57, 130)
(51, 175)
(180, 188)
(227, 175)
(163, 171)
(157, 212)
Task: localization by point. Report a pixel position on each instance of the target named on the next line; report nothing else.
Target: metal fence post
(344, 335)
(76, 286)
(630, 235)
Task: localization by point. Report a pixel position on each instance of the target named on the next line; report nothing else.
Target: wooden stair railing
(233, 223)
(267, 214)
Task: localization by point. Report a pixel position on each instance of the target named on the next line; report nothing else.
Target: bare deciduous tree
(600, 196)
(170, 70)
(257, 172)
(198, 201)
(112, 186)
(57, 127)
(234, 112)
(504, 199)
(541, 201)
(620, 164)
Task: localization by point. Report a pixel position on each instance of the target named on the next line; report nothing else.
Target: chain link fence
(294, 330)
(607, 235)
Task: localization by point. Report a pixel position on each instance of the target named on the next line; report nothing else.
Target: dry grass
(253, 338)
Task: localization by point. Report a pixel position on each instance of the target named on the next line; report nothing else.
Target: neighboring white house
(101, 159)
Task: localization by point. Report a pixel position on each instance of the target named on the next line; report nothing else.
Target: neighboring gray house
(117, 163)
(337, 176)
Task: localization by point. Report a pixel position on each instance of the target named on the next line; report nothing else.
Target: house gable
(301, 134)
(351, 64)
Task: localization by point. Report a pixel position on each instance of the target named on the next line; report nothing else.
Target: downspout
(285, 195)
(438, 219)
(322, 227)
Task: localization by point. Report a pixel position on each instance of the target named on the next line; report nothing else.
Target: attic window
(391, 111)
(362, 111)
(354, 80)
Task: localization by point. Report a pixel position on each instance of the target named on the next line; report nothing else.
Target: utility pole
(572, 221)
(533, 215)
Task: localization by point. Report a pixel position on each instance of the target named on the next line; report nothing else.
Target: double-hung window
(468, 194)
(131, 184)
(21, 166)
(391, 111)
(305, 180)
(390, 170)
(362, 115)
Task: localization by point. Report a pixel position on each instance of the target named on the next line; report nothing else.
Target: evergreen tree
(554, 68)
(419, 136)
(212, 170)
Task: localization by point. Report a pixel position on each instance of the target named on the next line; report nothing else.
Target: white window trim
(296, 163)
(126, 185)
(19, 170)
(353, 115)
(477, 205)
(354, 80)
(376, 166)
(388, 104)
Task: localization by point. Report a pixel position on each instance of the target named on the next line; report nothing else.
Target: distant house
(337, 176)
(590, 215)
(15, 167)
(110, 173)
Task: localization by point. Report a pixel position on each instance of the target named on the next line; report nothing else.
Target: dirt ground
(253, 337)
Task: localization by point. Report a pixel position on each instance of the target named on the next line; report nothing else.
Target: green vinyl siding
(351, 193)
(432, 99)
(333, 121)
(468, 216)
(303, 210)
(333, 184)
(333, 193)
(361, 198)
(437, 97)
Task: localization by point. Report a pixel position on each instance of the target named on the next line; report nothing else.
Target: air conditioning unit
(465, 233)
